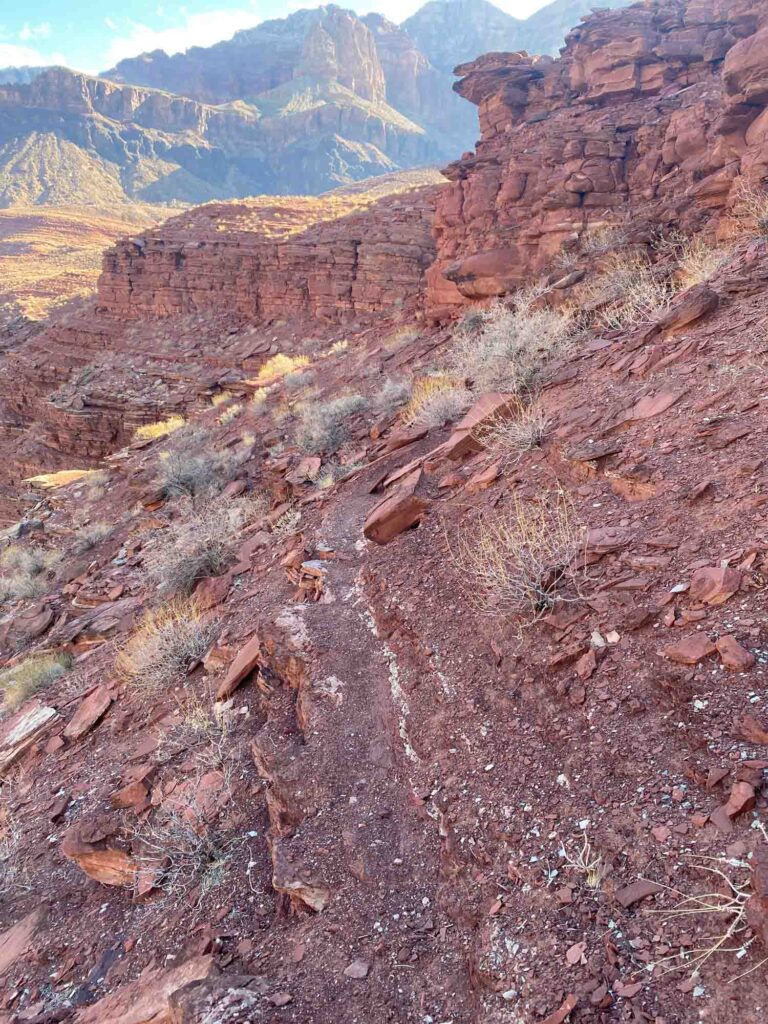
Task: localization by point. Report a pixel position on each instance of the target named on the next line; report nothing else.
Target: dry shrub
(392, 394)
(162, 428)
(184, 855)
(259, 398)
(698, 259)
(519, 558)
(219, 398)
(436, 399)
(89, 536)
(503, 348)
(165, 644)
(20, 682)
(751, 206)
(199, 544)
(286, 524)
(629, 292)
(507, 440)
(230, 413)
(298, 380)
(323, 426)
(193, 475)
(281, 365)
(601, 238)
(27, 571)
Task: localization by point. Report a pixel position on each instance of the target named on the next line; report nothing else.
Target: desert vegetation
(164, 645)
(520, 557)
(21, 681)
(504, 347)
(198, 543)
(162, 428)
(27, 571)
(508, 438)
(323, 427)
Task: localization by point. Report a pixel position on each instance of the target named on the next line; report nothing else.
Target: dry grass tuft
(286, 524)
(751, 206)
(219, 398)
(281, 365)
(20, 682)
(89, 536)
(697, 258)
(27, 571)
(520, 558)
(149, 431)
(230, 413)
(165, 644)
(584, 861)
(507, 440)
(435, 399)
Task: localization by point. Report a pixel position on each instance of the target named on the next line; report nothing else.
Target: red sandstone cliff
(648, 118)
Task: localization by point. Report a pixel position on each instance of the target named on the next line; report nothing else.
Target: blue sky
(92, 36)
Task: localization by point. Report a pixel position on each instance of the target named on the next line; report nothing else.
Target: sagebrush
(504, 348)
(164, 645)
(518, 558)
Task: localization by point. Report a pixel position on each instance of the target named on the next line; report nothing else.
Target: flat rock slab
(90, 711)
(16, 941)
(146, 1000)
(21, 730)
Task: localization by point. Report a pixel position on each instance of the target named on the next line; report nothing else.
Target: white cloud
(202, 29)
(12, 56)
(40, 31)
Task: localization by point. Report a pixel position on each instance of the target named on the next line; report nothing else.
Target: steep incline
(358, 778)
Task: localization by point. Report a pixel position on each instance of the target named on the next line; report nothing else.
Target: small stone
(733, 655)
(358, 969)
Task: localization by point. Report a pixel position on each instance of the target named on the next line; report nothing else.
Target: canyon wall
(334, 258)
(649, 118)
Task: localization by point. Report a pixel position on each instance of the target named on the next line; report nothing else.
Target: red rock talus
(649, 116)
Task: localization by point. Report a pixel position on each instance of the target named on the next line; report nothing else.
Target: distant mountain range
(297, 104)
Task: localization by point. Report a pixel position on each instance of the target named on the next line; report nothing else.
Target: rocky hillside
(408, 662)
(66, 138)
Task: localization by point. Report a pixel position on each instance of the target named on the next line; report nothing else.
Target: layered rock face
(334, 258)
(650, 116)
(328, 42)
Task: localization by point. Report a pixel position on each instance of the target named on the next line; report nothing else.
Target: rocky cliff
(653, 117)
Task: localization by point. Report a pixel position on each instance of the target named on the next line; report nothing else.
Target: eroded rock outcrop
(332, 259)
(648, 119)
